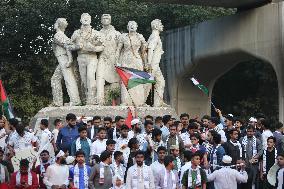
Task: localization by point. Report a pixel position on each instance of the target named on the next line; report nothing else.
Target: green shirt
(184, 180)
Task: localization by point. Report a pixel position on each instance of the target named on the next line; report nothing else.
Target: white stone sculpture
(155, 51)
(130, 51)
(106, 66)
(64, 70)
(90, 43)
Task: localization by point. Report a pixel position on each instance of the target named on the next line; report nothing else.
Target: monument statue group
(98, 52)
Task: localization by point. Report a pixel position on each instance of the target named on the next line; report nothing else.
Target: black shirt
(270, 159)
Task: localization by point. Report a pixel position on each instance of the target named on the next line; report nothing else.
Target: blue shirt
(65, 138)
(85, 147)
(81, 175)
(165, 133)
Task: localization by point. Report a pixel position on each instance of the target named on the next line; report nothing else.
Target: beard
(70, 125)
(63, 162)
(139, 163)
(138, 130)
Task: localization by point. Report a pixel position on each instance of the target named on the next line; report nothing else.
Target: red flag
(129, 118)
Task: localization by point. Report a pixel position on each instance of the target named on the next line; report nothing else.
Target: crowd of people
(219, 152)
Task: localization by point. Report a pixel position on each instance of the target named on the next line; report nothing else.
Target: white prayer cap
(69, 160)
(252, 119)
(60, 154)
(231, 115)
(135, 121)
(227, 159)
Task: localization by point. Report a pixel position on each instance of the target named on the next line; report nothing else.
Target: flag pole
(130, 97)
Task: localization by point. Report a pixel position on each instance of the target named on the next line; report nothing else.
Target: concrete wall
(210, 49)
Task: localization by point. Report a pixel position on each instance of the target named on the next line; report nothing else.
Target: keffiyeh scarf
(78, 143)
(18, 178)
(77, 176)
(178, 164)
(265, 159)
(42, 169)
(197, 181)
(2, 174)
(245, 142)
(213, 154)
(240, 147)
(102, 173)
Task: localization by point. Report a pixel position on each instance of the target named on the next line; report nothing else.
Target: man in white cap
(57, 175)
(136, 128)
(226, 177)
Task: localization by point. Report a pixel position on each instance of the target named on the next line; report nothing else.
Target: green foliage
(26, 59)
(112, 94)
(247, 90)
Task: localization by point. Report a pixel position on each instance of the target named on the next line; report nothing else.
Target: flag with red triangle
(5, 103)
(133, 77)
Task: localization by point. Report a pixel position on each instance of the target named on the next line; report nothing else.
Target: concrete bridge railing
(210, 49)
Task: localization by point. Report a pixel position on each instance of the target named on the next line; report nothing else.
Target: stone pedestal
(51, 113)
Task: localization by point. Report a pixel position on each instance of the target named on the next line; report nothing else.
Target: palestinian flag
(201, 87)
(5, 103)
(132, 77)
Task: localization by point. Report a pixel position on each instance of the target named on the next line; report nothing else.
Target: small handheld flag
(201, 87)
(133, 77)
(5, 103)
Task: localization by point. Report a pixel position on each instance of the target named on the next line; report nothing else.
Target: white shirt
(157, 167)
(20, 143)
(55, 134)
(227, 178)
(44, 139)
(131, 134)
(280, 178)
(136, 179)
(222, 133)
(56, 175)
(120, 142)
(3, 137)
(117, 170)
(184, 168)
(98, 146)
(266, 133)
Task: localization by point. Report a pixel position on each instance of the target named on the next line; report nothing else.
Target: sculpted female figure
(64, 69)
(130, 51)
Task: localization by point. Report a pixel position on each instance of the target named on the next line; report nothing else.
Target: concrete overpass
(240, 4)
(209, 49)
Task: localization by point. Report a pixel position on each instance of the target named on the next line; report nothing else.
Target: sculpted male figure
(90, 42)
(106, 70)
(155, 51)
(64, 69)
